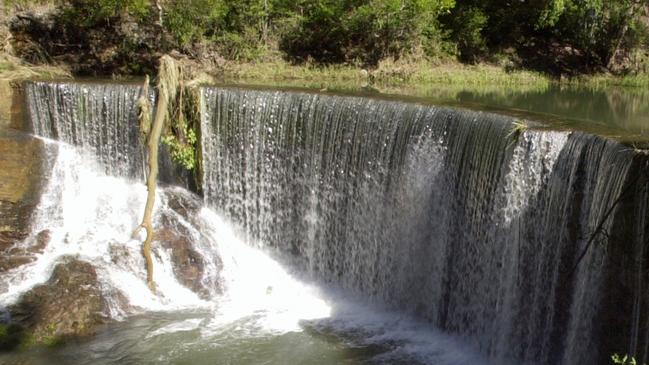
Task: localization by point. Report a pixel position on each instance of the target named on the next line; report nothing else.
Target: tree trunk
(153, 142)
(629, 17)
(168, 78)
(160, 12)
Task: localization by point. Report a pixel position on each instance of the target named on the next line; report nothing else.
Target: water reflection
(626, 109)
(617, 112)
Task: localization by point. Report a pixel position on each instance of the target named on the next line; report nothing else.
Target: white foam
(260, 294)
(183, 326)
(89, 214)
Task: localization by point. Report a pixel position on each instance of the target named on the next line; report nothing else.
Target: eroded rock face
(21, 179)
(188, 264)
(70, 304)
(121, 46)
(13, 257)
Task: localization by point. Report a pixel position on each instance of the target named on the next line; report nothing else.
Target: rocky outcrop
(120, 46)
(70, 304)
(21, 178)
(16, 256)
(188, 264)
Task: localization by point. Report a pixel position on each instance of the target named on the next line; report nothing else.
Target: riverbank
(418, 73)
(14, 69)
(389, 75)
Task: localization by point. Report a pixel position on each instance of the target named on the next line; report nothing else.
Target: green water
(176, 338)
(621, 113)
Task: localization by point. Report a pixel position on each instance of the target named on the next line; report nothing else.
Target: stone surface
(70, 304)
(188, 264)
(22, 176)
(21, 179)
(13, 257)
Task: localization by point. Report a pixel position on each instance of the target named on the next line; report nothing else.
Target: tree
(167, 86)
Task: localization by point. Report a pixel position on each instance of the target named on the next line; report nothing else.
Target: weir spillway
(530, 244)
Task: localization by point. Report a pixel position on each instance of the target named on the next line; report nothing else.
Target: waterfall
(101, 119)
(448, 214)
(94, 199)
(91, 215)
(89, 209)
(528, 244)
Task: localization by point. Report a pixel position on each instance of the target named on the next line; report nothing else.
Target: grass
(14, 69)
(517, 129)
(519, 126)
(388, 73)
(391, 76)
(395, 76)
(604, 81)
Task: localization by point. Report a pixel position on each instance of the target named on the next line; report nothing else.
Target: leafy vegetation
(568, 35)
(624, 360)
(517, 129)
(560, 37)
(332, 31)
(90, 13)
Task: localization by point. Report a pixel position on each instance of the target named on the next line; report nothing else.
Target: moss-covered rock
(11, 336)
(70, 304)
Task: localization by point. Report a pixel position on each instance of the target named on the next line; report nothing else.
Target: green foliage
(90, 13)
(585, 33)
(330, 31)
(191, 20)
(624, 360)
(182, 125)
(551, 13)
(182, 152)
(466, 26)
(559, 36)
(240, 46)
(236, 29)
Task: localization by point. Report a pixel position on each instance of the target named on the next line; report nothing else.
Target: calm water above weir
(348, 230)
(618, 112)
(624, 110)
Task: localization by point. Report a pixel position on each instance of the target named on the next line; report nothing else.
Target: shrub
(364, 31)
(91, 13)
(192, 20)
(466, 30)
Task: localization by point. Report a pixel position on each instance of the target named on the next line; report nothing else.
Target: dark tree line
(562, 36)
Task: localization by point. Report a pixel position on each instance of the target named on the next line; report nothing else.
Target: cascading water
(101, 119)
(451, 215)
(245, 302)
(525, 245)
(91, 215)
(96, 117)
